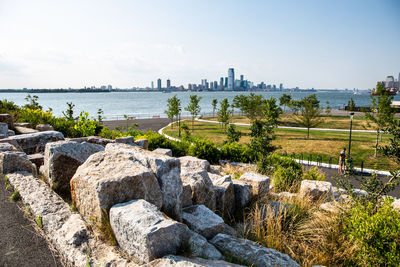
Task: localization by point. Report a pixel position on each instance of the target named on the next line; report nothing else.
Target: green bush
(65, 126)
(236, 152)
(314, 174)
(376, 234)
(86, 126)
(35, 116)
(157, 140)
(287, 179)
(204, 149)
(10, 108)
(268, 165)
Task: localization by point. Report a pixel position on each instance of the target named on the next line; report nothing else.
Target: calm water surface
(148, 104)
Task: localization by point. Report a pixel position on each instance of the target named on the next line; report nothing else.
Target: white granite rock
(224, 195)
(194, 163)
(243, 193)
(316, 189)
(260, 183)
(15, 161)
(199, 247)
(44, 127)
(179, 261)
(164, 151)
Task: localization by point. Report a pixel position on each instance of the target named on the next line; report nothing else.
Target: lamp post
(351, 126)
(179, 122)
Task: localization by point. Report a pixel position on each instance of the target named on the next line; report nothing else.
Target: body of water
(148, 104)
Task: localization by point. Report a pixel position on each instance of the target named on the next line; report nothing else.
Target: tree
(174, 105)
(224, 113)
(310, 112)
(328, 108)
(262, 136)
(271, 112)
(232, 134)
(214, 105)
(284, 100)
(351, 105)
(382, 114)
(250, 105)
(69, 113)
(392, 150)
(32, 102)
(193, 107)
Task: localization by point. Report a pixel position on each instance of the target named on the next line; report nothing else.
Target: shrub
(314, 174)
(204, 149)
(157, 140)
(287, 179)
(36, 116)
(232, 135)
(10, 108)
(110, 134)
(236, 152)
(65, 126)
(85, 126)
(268, 165)
(375, 234)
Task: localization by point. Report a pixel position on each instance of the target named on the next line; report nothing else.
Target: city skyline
(315, 44)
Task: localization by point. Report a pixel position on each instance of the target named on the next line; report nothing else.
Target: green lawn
(324, 143)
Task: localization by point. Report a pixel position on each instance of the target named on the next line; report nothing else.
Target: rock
(34, 142)
(199, 247)
(179, 261)
(315, 189)
(215, 169)
(44, 127)
(187, 196)
(260, 183)
(93, 140)
(143, 232)
(195, 163)
(106, 179)
(6, 147)
(23, 130)
(201, 187)
(11, 132)
(250, 252)
(328, 207)
(224, 195)
(167, 171)
(37, 159)
(283, 195)
(22, 124)
(165, 151)
(143, 143)
(125, 140)
(243, 193)
(396, 204)
(3, 130)
(205, 222)
(360, 193)
(62, 159)
(15, 161)
(8, 119)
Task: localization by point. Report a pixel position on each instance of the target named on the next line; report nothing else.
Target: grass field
(330, 122)
(322, 143)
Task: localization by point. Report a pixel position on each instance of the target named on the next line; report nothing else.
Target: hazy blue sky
(308, 43)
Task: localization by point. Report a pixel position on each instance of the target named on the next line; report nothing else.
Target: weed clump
(15, 196)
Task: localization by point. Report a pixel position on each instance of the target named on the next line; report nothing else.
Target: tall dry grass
(300, 229)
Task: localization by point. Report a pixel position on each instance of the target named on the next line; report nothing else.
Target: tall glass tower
(231, 79)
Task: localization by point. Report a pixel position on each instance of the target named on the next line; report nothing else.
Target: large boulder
(250, 252)
(243, 193)
(195, 163)
(125, 140)
(396, 204)
(224, 195)
(179, 261)
(142, 143)
(8, 119)
(260, 183)
(205, 222)
(44, 127)
(62, 158)
(201, 187)
(93, 140)
(143, 232)
(165, 151)
(15, 161)
(34, 142)
(25, 130)
(167, 171)
(199, 247)
(315, 190)
(187, 196)
(6, 147)
(3, 130)
(37, 159)
(106, 179)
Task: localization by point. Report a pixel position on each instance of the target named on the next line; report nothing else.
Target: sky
(310, 43)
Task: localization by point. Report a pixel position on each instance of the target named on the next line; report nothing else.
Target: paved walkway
(20, 244)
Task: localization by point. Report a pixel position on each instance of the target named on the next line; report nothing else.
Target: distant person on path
(342, 161)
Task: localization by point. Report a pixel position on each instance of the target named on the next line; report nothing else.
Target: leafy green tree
(392, 150)
(284, 100)
(250, 105)
(85, 126)
(310, 113)
(100, 114)
(174, 106)
(382, 114)
(69, 113)
(214, 105)
(224, 113)
(32, 102)
(232, 135)
(261, 137)
(351, 105)
(271, 112)
(193, 107)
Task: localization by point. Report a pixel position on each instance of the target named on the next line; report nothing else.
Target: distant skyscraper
(241, 81)
(221, 83)
(231, 79)
(168, 84)
(215, 85)
(159, 84)
(152, 85)
(226, 83)
(281, 87)
(398, 79)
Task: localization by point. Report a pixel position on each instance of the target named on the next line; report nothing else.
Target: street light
(351, 126)
(179, 121)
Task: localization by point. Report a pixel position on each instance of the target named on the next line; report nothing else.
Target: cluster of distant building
(391, 84)
(228, 83)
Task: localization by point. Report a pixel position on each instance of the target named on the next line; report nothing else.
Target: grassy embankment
(324, 143)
